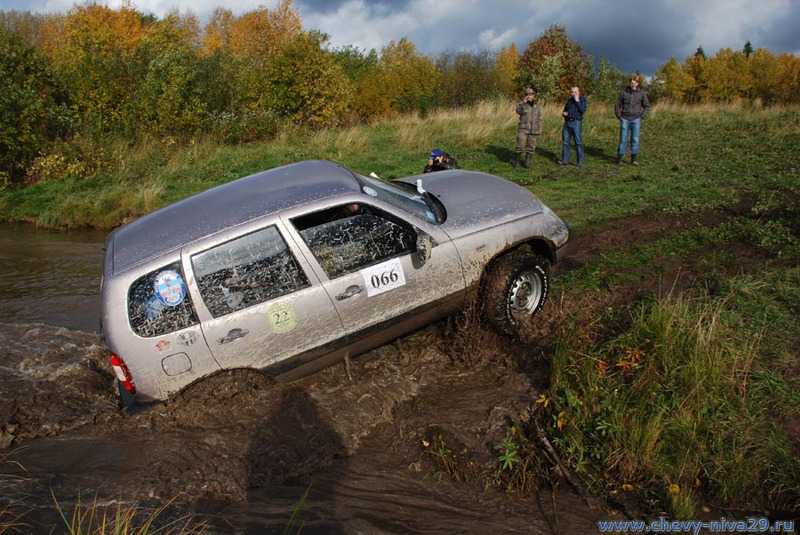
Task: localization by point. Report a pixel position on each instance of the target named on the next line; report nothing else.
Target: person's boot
(619, 159)
(633, 159)
(527, 163)
(517, 160)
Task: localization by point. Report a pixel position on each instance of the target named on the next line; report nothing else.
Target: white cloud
(491, 40)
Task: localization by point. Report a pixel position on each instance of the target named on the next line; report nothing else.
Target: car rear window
(247, 271)
(159, 302)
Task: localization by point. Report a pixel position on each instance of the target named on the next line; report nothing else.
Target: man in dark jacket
(530, 126)
(573, 115)
(630, 109)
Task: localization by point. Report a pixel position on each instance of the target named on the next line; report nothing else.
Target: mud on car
(292, 269)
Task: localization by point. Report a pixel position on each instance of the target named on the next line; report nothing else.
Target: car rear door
(259, 302)
(368, 255)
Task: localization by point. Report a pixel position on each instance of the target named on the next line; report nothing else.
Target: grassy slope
(691, 159)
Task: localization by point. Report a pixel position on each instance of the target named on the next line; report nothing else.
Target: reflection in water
(50, 277)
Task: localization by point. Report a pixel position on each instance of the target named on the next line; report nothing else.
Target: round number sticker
(282, 318)
(170, 288)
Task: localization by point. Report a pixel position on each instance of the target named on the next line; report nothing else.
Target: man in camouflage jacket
(530, 126)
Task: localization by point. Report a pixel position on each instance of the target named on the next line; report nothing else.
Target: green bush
(33, 108)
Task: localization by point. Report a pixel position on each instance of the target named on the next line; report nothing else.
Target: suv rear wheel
(515, 290)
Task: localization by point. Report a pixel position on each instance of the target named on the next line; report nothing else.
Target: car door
(375, 275)
(261, 304)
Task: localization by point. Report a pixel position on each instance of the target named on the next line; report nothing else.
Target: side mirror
(424, 247)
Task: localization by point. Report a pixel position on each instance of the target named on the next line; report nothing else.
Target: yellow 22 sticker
(282, 318)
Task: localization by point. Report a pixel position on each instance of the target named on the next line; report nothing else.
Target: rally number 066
(384, 279)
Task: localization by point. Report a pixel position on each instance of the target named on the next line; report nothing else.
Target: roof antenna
(420, 189)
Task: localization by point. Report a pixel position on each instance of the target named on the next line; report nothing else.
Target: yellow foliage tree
(764, 73)
(677, 83)
(216, 36)
(507, 70)
(262, 33)
(728, 75)
(695, 66)
(788, 82)
(94, 52)
(409, 77)
(308, 85)
(172, 32)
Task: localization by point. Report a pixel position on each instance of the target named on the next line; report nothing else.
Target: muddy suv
(292, 269)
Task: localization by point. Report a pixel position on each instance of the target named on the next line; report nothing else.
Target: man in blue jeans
(573, 115)
(630, 109)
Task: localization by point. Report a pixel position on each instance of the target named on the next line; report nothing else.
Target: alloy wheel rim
(525, 294)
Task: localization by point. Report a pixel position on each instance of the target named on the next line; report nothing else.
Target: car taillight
(123, 374)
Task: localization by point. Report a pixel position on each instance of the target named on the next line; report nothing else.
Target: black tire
(504, 284)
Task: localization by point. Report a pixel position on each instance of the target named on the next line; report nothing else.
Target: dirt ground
(352, 456)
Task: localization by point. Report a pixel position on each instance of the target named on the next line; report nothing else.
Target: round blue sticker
(169, 288)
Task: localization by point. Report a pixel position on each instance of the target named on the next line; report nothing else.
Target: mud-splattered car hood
(476, 201)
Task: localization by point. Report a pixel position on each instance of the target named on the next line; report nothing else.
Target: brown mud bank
(244, 454)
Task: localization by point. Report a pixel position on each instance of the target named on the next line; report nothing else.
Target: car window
(350, 237)
(247, 271)
(395, 194)
(159, 303)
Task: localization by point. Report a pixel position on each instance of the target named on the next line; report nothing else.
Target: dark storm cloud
(633, 34)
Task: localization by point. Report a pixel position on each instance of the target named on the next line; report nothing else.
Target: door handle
(233, 334)
(349, 292)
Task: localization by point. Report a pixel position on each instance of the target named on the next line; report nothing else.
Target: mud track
(242, 452)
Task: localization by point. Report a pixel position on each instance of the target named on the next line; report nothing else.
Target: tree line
(96, 73)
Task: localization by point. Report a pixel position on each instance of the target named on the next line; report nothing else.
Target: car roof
(227, 205)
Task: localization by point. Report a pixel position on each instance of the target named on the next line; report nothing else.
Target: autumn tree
(672, 81)
(506, 65)
(94, 54)
(308, 85)
(728, 75)
(553, 63)
(32, 105)
(788, 80)
(355, 62)
(405, 80)
(216, 36)
(609, 81)
(254, 40)
(763, 66)
(466, 78)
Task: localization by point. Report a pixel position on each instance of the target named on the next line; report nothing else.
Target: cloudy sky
(634, 34)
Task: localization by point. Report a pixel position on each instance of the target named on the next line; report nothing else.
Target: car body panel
(476, 201)
(268, 331)
(144, 356)
(437, 278)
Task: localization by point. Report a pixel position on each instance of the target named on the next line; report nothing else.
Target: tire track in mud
(243, 451)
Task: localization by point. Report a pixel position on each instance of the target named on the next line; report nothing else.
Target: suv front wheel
(515, 290)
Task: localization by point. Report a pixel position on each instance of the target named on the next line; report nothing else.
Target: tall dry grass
(97, 518)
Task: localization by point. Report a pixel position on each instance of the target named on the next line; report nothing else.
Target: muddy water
(50, 277)
(241, 453)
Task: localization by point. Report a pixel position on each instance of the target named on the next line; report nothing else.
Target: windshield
(406, 199)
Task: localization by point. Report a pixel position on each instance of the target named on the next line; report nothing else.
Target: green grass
(685, 404)
(691, 159)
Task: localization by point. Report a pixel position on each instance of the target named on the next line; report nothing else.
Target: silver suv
(294, 268)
